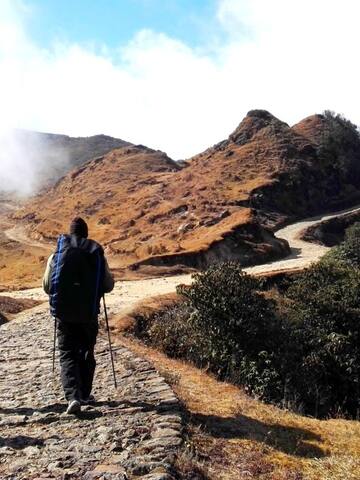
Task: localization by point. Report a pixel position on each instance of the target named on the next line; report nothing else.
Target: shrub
(237, 326)
(353, 232)
(324, 316)
(173, 331)
(348, 251)
(339, 148)
(303, 353)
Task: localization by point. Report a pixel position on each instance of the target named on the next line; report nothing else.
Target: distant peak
(254, 121)
(261, 114)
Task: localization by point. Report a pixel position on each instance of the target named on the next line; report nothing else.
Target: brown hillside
(146, 209)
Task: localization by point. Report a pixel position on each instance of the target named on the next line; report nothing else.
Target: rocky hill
(220, 204)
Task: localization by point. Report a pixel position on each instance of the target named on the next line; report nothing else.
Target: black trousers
(76, 342)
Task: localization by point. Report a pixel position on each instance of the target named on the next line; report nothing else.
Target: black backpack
(76, 279)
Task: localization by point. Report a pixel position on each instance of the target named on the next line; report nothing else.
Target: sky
(175, 75)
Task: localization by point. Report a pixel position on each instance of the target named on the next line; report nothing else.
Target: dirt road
(302, 253)
(127, 293)
(18, 234)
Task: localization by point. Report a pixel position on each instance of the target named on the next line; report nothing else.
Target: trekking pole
(54, 347)
(108, 331)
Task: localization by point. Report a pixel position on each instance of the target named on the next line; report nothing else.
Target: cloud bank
(292, 58)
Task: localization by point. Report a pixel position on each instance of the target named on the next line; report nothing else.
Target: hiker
(76, 277)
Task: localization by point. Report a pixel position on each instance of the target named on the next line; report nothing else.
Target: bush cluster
(307, 356)
(339, 148)
(323, 320)
(348, 251)
(227, 326)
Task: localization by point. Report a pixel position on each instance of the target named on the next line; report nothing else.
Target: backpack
(76, 279)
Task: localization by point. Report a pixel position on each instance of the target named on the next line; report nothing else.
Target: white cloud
(293, 58)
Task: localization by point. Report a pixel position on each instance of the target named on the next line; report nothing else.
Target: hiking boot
(90, 400)
(73, 407)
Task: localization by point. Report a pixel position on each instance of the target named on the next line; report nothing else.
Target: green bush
(353, 232)
(173, 332)
(237, 331)
(324, 336)
(305, 353)
(339, 148)
(348, 251)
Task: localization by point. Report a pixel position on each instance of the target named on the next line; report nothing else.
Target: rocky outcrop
(247, 244)
(330, 232)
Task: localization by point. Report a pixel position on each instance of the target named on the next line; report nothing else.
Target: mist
(29, 161)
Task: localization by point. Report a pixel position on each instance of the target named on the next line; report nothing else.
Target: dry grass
(21, 266)
(139, 203)
(233, 436)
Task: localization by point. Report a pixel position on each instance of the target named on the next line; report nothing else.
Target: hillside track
(18, 234)
(302, 253)
(128, 293)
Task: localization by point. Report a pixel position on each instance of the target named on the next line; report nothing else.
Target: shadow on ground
(89, 412)
(20, 441)
(290, 440)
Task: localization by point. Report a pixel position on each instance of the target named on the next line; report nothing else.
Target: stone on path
(130, 433)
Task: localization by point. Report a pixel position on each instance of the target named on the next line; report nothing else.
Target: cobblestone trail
(130, 433)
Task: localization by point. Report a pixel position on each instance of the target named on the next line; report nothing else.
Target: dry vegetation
(146, 209)
(141, 204)
(233, 436)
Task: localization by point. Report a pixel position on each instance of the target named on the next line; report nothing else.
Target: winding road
(127, 293)
(18, 234)
(302, 253)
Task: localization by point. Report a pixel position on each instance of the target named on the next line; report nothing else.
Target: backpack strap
(55, 272)
(99, 264)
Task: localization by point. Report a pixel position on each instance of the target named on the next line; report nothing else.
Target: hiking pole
(54, 347)
(108, 331)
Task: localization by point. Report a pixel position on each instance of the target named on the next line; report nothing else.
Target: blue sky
(115, 22)
(175, 75)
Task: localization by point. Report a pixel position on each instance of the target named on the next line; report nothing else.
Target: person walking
(76, 277)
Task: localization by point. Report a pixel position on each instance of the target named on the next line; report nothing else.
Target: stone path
(130, 433)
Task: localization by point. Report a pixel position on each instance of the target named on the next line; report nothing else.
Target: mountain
(51, 156)
(219, 205)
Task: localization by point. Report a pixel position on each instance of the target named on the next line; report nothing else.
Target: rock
(157, 476)
(103, 468)
(6, 451)
(31, 451)
(185, 227)
(165, 432)
(120, 458)
(161, 442)
(54, 466)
